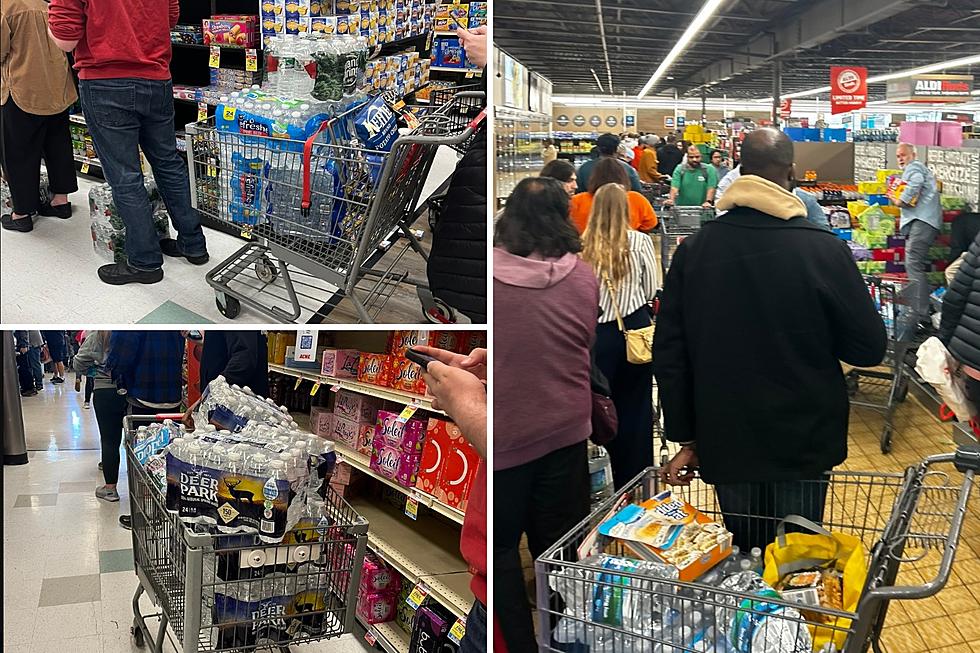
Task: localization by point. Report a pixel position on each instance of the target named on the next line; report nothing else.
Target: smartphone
(416, 356)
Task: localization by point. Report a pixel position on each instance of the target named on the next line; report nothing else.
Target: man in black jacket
(242, 357)
(758, 310)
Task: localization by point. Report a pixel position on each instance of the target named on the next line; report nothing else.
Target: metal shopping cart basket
(678, 223)
(320, 210)
(883, 388)
(210, 587)
(904, 520)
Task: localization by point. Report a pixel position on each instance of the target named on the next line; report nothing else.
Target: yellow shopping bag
(792, 552)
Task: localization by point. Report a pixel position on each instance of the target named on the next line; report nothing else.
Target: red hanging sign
(848, 89)
(785, 108)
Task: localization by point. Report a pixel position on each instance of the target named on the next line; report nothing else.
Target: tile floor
(49, 276)
(67, 564)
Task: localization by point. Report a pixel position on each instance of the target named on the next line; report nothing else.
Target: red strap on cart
(307, 152)
(946, 414)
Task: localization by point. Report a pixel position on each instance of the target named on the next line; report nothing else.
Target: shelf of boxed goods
(388, 636)
(425, 552)
(470, 72)
(388, 394)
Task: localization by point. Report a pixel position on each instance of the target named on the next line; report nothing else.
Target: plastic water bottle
(755, 556)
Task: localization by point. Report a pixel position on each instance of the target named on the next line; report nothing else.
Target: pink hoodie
(542, 395)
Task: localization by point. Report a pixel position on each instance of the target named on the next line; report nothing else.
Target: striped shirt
(639, 286)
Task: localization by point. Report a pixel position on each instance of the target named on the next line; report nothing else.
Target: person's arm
(88, 355)
(649, 258)
(457, 384)
(647, 216)
(634, 178)
(857, 329)
(66, 23)
(243, 356)
(671, 359)
(5, 34)
(22, 341)
(916, 180)
(712, 185)
(955, 299)
(651, 165)
(174, 13)
(675, 185)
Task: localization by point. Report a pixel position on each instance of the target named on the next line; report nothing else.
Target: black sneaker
(119, 274)
(23, 224)
(62, 211)
(169, 247)
(57, 379)
(28, 393)
(126, 521)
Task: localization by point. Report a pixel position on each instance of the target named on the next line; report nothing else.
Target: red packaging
(375, 369)
(471, 340)
(439, 435)
(401, 341)
(458, 471)
(407, 376)
(450, 340)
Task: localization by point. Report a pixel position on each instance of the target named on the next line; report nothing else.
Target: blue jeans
(124, 115)
(37, 370)
(475, 639)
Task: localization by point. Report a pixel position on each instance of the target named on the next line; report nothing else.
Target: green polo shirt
(693, 184)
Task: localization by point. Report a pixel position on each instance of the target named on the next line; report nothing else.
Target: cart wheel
(852, 385)
(265, 270)
(902, 391)
(440, 313)
(228, 306)
(886, 440)
(137, 636)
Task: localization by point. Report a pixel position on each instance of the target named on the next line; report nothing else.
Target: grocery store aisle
(67, 564)
(51, 273)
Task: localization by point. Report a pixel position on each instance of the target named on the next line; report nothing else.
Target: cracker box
(407, 436)
(346, 364)
(393, 463)
(346, 7)
(439, 436)
(407, 376)
(321, 421)
(356, 407)
(458, 471)
(667, 529)
(343, 473)
(236, 31)
(324, 25)
(343, 26)
(375, 369)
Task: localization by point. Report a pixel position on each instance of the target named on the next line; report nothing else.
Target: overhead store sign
(595, 121)
(561, 120)
(954, 116)
(848, 88)
(785, 108)
(611, 121)
(668, 122)
(931, 88)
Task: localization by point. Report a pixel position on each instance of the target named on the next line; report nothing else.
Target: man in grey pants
(921, 221)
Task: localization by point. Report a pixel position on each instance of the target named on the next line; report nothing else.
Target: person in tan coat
(648, 164)
(36, 90)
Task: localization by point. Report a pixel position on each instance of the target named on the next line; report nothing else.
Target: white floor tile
(90, 644)
(79, 619)
(18, 624)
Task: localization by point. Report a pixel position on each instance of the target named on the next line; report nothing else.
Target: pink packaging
(394, 464)
(407, 436)
(353, 435)
(356, 407)
(376, 576)
(345, 363)
(376, 607)
(321, 421)
(918, 133)
(950, 134)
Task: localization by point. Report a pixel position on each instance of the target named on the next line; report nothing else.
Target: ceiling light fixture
(877, 79)
(707, 11)
(601, 90)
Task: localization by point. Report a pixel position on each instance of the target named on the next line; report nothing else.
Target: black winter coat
(755, 317)
(240, 356)
(457, 268)
(960, 326)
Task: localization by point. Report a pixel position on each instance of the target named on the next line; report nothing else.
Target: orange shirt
(642, 216)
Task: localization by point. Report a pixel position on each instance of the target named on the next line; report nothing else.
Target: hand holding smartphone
(416, 356)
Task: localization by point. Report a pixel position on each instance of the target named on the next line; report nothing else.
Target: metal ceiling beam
(820, 23)
(644, 39)
(578, 21)
(564, 5)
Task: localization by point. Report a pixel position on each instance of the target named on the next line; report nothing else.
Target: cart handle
(967, 460)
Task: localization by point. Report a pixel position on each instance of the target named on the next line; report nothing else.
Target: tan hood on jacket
(763, 195)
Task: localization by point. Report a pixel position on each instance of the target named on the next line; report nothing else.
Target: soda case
(407, 435)
(356, 406)
(321, 421)
(340, 363)
(407, 376)
(108, 229)
(375, 369)
(393, 463)
(430, 630)
(404, 613)
(460, 342)
(459, 469)
(352, 434)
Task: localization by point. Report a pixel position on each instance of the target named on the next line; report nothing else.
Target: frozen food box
(667, 529)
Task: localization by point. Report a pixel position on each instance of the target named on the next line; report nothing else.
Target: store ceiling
(562, 40)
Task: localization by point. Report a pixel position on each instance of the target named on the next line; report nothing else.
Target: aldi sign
(848, 88)
(931, 88)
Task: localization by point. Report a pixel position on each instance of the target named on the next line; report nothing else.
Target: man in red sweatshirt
(122, 55)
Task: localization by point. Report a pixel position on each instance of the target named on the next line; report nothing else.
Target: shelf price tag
(412, 507)
(215, 60)
(202, 111)
(457, 632)
(251, 60)
(408, 411)
(85, 168)
(417, 596)
(298, 381)
(469, 75)
(370, 638)
(335, 387)
(247, 232)
(315, 389)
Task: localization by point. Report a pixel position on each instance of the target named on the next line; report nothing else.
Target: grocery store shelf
(447, 69)
(362, 463)
(77, 119)
(427, 552)
(389, 636)
(388, 394)
(201, 46)
(85, 159)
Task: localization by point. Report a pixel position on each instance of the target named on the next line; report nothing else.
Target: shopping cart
(904, 520)
(677, 223)
(187, 572)
(460, 104)
(320, 210)
(884, 387)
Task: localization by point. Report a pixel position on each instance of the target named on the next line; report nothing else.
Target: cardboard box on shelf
(458, 471)
(353, 435)
(375, 369)
(439, 435)
(321, 421)
(356, 407)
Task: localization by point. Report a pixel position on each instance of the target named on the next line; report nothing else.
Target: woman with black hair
(563, 171)
(549, 299)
